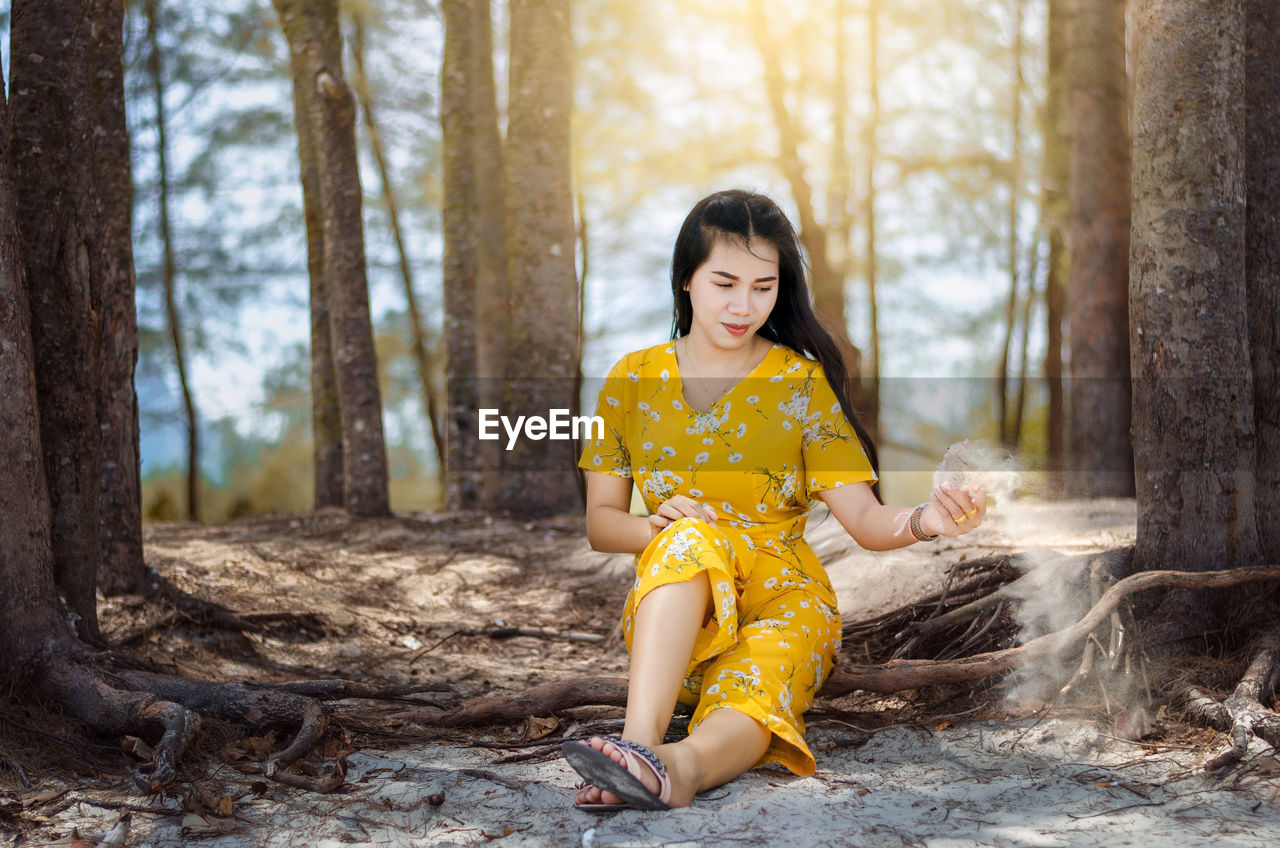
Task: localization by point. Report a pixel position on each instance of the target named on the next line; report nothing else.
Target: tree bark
(53, 169)
(122, 568)
(1101, 456)
(1193, 402)
(311, 27)
(326, 416)
(1054, 189)
(27, 611)
(1262, 256)
(538, 476)
(421, 352)
(475, 264)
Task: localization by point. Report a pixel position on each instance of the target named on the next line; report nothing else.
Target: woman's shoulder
(641, 362)
(792, 363)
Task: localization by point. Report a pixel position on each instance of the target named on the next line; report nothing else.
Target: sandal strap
(651, 759)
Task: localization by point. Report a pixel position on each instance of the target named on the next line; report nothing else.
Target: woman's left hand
(953, 511)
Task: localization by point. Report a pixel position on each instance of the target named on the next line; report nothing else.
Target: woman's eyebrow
(729, 276)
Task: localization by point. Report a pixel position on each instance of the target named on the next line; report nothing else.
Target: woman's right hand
(675, 508)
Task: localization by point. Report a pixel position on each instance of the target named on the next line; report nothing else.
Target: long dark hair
(743, 217)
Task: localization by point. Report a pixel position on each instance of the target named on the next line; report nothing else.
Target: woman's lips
(737, 329)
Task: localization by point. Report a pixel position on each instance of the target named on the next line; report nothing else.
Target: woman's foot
(681, 771)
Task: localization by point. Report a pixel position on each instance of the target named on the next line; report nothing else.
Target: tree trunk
(154, 67)
(421, 353)
(1101, 456)
(1007, 436)
(871, 395)
(1054, 202)
(1262, 252)
(825, 282)
(52, 169)
(311, 27)
(1193, 395)
(465, 487)
(121, 568)
(538, 476)
(28, 614)
(326, 416)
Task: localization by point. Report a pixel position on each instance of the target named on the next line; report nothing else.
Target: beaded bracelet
(916, 529)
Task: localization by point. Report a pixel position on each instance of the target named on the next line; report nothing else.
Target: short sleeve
(608, 453)
(833, 454)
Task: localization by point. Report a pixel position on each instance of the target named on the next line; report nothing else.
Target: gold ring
(961, 520)
(974, 512)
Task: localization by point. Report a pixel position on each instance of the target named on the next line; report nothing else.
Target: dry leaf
(942, 725)
(224, 807)
(197, 825)
(535, 727)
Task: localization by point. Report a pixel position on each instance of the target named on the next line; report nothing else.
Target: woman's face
(733, 293)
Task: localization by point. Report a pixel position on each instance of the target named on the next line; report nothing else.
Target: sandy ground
(409, 599)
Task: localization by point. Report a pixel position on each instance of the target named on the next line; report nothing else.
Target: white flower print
(753, 399)
(707, 440)
(695, 493)
(665, 375)
(595, 460)
(642, 405)
(676, 402)
(702, 457)
(668, 450)
(735, 457)
(647, 446)
(612, 401)
(742, 430)
(633, 376)
(655, 415)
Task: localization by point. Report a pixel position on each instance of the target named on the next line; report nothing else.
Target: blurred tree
(1262, 256)
(1193, 406)
(1100, 453)
(53, 172)
(542, 304)
(170, 272)
(121, 568)
(312, 30)
(1008, 432)
(326, 417)
(870, 396)
(421, 352)
(826, 281)
(1056, 176)
(475, 253)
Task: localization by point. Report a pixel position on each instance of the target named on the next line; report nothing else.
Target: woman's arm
(878, 527)
(611, 528)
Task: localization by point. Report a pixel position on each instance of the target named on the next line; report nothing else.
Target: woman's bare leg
(723, 746)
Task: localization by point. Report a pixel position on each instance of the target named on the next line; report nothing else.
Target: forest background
(919, 142)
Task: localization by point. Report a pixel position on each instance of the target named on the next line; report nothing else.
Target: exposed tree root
(897, 675)
(893, 676)
(929, 626)
(543, 700)
(1244, 713)
(131, 701)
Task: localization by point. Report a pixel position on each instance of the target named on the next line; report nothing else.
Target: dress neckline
(679, 379)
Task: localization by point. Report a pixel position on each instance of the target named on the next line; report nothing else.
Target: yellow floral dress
(756, 457)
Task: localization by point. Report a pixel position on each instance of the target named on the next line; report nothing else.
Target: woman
(730, 431)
